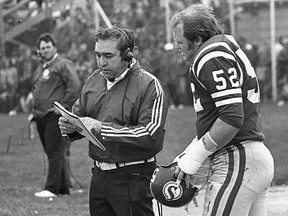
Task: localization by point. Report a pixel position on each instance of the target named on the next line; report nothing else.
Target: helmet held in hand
(165, 189)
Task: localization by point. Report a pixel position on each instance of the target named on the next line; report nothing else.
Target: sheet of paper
(75, 120)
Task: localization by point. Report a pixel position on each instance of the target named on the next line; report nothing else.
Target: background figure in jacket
(227, 103)
(126, 108)
(54, 80)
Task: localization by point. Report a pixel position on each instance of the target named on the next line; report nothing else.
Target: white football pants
(240, 178)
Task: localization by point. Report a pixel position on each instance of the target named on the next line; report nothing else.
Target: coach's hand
(92, 124)
(56, 111)
(65, 126)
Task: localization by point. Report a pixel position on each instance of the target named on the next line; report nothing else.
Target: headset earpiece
(127, 55)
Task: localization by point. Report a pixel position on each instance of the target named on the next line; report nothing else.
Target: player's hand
(181, 175)
(187, 149)
(65, 126)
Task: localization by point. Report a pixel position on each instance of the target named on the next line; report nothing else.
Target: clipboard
(75, 120)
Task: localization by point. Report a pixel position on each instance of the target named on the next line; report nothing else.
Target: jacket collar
(46, 64)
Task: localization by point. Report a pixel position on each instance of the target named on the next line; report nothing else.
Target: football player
(227, 103)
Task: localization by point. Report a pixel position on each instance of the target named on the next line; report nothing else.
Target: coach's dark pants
(122, 192)
(54, 146)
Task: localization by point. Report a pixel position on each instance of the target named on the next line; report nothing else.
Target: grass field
(23, 165)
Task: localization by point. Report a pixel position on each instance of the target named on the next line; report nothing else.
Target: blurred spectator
(282, 73)
(3, 85)
(264, 71)
(39, 3)
(9, 84)
(12, 18)
(12, 84)
(85, 63)
(282, 60)
(80, 20)
(279, 46)
(63, 32)
(84, 30)
(80, 25)
(173, 73)
(251, 51)
(25, 63)
(34, 7)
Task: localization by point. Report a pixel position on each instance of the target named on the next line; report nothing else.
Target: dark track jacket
(133, 113)
(58, 81)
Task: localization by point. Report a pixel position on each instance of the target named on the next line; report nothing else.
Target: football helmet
(166, 191)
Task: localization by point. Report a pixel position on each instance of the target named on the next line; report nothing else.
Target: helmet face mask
(165, 190)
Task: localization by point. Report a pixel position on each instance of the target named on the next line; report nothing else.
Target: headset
(127, 54)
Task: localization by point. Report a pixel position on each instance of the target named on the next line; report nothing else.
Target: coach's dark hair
(198, 21)
(47, 37)
(125, 37)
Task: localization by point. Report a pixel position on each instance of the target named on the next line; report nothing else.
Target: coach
(126, 108)
(55, 80)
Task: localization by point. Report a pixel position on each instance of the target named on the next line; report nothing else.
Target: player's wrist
(194, 141)
(194, 157)
(209, 143)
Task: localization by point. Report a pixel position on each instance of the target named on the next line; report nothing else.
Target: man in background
(54, 80)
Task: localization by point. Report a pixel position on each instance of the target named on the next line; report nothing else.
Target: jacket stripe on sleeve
(151, 127)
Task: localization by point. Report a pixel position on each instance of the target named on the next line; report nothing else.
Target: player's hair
(47, 37)
(198, 21)
(125, 37)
